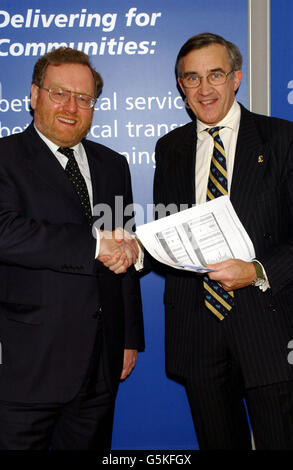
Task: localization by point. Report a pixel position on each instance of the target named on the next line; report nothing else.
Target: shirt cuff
(140, 259)
(98, 240)
(264, 284)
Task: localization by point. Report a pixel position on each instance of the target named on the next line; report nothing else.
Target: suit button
(98, 313)
(267, 235)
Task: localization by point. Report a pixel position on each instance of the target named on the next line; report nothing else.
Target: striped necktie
(74, 174)
(217, 300)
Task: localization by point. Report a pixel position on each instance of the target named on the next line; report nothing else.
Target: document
(205, 234)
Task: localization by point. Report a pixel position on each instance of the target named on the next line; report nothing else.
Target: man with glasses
(70, 328)
(227, 332)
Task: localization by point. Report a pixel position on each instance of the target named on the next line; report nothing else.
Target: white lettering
(28, 18)
(290, 95)
(135, 157)
(36, 19)
(17, 20)
(110, 46)
(5, 131)
(47, 22)
(154, 102)
(61, 21)
(149, 130)
(105, 131)
(141, 19)
(5, 21)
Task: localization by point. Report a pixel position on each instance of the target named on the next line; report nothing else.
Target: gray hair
(206, 39)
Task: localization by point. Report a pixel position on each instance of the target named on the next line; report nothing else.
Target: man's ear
(181, 85)
(237, 79)
(34, 95)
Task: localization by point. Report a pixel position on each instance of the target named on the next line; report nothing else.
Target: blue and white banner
(133, 44)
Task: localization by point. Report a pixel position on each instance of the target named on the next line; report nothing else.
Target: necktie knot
(213, 131)
(67, 151)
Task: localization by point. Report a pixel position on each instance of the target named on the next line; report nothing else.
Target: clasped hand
(232, 274)
(118, 250)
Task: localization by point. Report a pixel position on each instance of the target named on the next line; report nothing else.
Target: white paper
(205, 234)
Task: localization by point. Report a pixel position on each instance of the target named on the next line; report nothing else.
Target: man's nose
(71, 105)
(205, 86)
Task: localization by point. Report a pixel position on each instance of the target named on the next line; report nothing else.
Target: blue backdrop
(281, 59)
(133, 44)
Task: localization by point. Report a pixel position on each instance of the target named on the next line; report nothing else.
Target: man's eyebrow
(217, 69)
(190, 73)
(60, 87)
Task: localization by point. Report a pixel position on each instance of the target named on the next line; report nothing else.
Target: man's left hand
(130, 357)
(232, 274)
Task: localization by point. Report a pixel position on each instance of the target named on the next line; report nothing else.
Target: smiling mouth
(66, 120)
(206, 102)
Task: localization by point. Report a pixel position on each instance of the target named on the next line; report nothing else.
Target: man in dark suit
(69, 327)
(227, 351)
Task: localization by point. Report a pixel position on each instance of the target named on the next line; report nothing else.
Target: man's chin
(68, 140)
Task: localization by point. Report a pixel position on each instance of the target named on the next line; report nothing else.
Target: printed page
(205, 234)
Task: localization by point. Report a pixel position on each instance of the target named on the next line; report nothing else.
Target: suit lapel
(183, 168)
(47, 169)
(251, 158)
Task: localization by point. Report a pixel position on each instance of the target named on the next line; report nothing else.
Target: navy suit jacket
(261, 324)
(53, 292)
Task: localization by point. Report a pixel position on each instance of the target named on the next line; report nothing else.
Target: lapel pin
(260, 159)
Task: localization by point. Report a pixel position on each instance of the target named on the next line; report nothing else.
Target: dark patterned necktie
(74, 174)
(217, 300)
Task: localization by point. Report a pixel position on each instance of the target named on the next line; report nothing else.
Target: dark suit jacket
(261, 324)
(52, 290)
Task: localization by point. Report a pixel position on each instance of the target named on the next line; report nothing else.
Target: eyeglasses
(192, 80)
(60, 96)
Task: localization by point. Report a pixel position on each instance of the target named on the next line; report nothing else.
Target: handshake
(118, 250)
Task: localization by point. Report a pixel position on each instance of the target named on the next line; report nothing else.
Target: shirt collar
(54, 148)
(231, 120)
